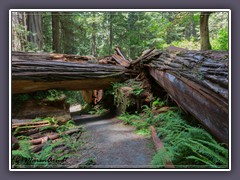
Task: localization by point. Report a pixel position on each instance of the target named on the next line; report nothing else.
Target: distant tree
(34, 26)
(19, 31)
(204, 31)
(110, 32)
(55, 32)
(94, 48)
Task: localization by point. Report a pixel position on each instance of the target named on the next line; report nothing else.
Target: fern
(161, 157)
(23, 155)
(190, 145)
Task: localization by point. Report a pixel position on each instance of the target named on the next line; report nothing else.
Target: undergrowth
(52, 154)
(185, 144)
(97, 110)
(120, 99)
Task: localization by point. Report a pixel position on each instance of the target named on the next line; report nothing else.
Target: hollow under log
(42, 71)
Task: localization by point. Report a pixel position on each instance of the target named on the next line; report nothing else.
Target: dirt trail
(115, 145)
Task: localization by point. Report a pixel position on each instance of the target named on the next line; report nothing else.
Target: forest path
(115, 145)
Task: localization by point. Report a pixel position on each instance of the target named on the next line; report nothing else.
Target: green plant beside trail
(97, 110)
(94, 109)
(186, 145)
(52, 154)
(121, 100)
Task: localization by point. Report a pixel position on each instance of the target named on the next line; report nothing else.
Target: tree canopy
(96, 33)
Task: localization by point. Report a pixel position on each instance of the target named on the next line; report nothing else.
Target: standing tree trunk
(34, 25)
(66, 32)
(94, 40)
(94, 52)
(55, 32)
(132, 18)
(204, 31)
(110, 33)
(19, 31)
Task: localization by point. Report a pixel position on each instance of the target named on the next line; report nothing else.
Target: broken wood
(37, 148)
(42, 71)
(159, 145)
(120, 60)
(198, 82)
(119, 52)
(53, 136)
(15, 143)
(35, 126)
(15, 125)
(39, 143)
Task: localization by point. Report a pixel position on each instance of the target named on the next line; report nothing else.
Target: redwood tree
(204, 31)
(55, 32)
(34, 26)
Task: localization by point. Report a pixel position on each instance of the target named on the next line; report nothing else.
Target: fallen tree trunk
(42, 71)
(197, 81)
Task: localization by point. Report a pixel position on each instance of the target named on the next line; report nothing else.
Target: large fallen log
(197, 81)
(43, 71)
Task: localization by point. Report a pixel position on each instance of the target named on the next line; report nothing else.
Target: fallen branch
(53, 136)
(159, 145)
(15, 125)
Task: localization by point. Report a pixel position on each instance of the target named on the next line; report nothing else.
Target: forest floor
(112, 144)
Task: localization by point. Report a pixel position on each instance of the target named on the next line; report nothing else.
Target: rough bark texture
(19, 29)
(55, 32)
(197, 81)
(204, 31)
(42, 71)
(34, 25)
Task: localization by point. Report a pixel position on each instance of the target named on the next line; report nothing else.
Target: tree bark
(55, 32)
(110, 32)
(19, 31)
(204, 31)
(67, 33)
(34, 25)
(94, 51)
(41, 71)
(197, 81)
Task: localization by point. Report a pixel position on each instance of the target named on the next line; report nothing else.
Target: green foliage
(51, 154)
(221, 42)
(188, 146)
(157, 103)
(186, 44)
(120, 100)
(129, 118)
(136, 86)
(161, 157)
(132, 31)
(72, 97)
(19, 98)
(97, 110)
(137, 121)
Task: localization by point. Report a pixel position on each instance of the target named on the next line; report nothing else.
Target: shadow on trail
(113, 144)
(87, 118)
